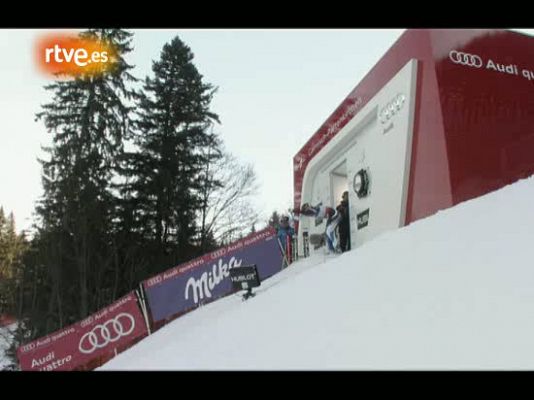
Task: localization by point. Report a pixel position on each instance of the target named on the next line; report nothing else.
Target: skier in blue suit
(284, 230)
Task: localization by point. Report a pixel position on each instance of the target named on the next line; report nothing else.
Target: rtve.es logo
(70, 55)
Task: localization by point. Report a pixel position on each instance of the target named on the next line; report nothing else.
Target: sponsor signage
(244, 278)
(477, 62)
(74, 346)
(392, 108)
(363, 219)
(207, 278)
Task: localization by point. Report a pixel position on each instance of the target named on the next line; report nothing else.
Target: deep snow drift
(452, 291)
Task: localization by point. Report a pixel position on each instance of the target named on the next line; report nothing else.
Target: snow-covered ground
(452, 291)
(5, 340)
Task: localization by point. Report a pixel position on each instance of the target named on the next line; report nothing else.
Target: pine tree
(12, 251)
(169, 173)
(89, 117)
(3, 244)
(274, 220)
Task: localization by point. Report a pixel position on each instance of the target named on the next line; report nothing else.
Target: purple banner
(207, 278)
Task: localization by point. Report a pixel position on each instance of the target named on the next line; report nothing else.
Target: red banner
(6, 320)
(76, 345)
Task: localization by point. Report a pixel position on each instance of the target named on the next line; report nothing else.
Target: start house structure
(443, 117)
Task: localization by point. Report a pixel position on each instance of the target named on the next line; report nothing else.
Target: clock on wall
(360, 183)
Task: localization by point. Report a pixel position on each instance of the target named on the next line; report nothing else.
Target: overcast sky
(276, 87)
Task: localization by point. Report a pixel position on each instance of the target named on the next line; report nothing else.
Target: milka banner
(207, 278)
(76, 345)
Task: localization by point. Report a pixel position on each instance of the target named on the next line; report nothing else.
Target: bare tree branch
(228, 212)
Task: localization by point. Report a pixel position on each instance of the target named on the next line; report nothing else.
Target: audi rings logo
(27, 347)
(391, 108)
(470, 60)
(154, 281)
(218, 254)
(109, 332)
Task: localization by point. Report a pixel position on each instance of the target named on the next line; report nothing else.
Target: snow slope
(452, 291)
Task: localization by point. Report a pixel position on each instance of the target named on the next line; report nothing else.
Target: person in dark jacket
(344, 223)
